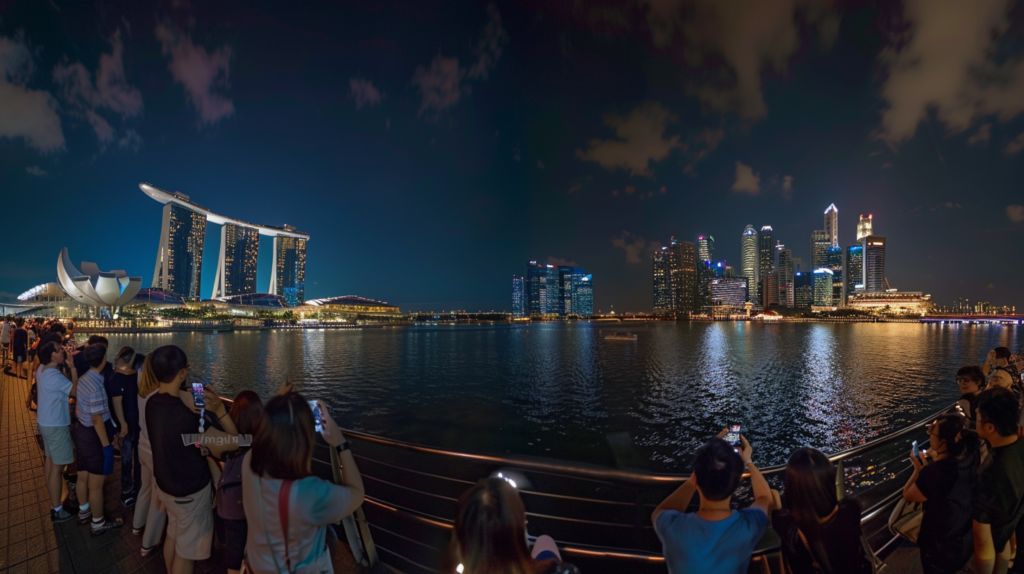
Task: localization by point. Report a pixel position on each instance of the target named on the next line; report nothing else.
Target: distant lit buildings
(750, 265)
(854, 272)
(288, 277)
(684, 276)
(820, 244)
(770, 289)
(786, 277)
(550, 290)
(663, 281)
(705, 273)
(542, 289)
(721, 268)
(822, 288)
(864, 226)
(892, 302)
(729, 292)
(835, 264)
(705, 248)
(576, 292)
(874, 263)
(803, 290)
(518, 297)
(832, 225)
(179, 257)
(236, 269)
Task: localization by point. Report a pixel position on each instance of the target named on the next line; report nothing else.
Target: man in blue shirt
(716, 539)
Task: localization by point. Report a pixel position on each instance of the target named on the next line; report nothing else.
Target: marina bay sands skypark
(179, 258)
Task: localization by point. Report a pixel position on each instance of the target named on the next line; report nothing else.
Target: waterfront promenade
(31, 544)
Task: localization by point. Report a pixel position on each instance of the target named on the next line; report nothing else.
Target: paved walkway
(31, 544)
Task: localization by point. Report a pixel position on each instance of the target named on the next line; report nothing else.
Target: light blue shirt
(692, 544)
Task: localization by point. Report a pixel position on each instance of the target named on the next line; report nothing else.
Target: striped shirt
(92, 398)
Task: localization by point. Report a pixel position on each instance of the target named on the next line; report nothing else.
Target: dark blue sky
(431, 149)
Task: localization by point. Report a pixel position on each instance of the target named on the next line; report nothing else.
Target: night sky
(431, 149)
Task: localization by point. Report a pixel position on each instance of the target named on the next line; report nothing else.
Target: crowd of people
(250, 467)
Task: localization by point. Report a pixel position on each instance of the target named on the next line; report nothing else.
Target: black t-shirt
(840, 539)
(126, 387)
(946, 525)
(179, 470)
(20, 341)
(999, 498)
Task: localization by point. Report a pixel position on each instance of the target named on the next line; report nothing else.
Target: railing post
(840, 481)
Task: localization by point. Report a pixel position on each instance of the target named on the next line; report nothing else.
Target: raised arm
(762, 492)
(350, 476)
(678, 500)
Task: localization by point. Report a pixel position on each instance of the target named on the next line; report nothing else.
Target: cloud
(747, 35)
(110, 91)
(1015, 213)
(636, 247)
(204, 75)
(36, 171)
(983, 134)
(746, 180)
(364, 93)
(948, 63)
(440, 85)
(492, 41)
(1015, 145)
(641, 140)
(787, 187)
(26, 113)
(558, 262)
(131, 140)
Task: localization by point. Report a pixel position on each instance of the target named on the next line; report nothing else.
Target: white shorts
(190, 523)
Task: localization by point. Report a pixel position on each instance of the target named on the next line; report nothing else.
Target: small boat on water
(620, 337)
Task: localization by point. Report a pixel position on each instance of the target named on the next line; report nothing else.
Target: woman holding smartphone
(277, 482)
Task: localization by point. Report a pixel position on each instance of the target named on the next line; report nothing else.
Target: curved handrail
(607, 473)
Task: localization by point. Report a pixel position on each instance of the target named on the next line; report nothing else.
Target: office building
(893, 302)
(798, 264)
(832, 225)
(179, 258)
(684, 276)
(663, 281)
(820, 244)
(823, 288)
(518, 297)
(236, 266)
(729, 292)
(705, 248)
(786, 285)
(803, 290)
(720, 268)
(288, 274)
(854, 272)
(705, 273)
(750, 264)
(576, 292)
(542, 289)
(835, 264)
(874, 263)
(865, 226)
(766, 251)
(770, 289)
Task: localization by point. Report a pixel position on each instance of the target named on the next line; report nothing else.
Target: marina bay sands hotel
(179, 259)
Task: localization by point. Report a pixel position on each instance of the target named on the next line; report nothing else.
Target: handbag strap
(282, 512)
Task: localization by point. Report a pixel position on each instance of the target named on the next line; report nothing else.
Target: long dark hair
(284, 446)
(950, 429)
(490, 528)
(247, 413)
(810, 496)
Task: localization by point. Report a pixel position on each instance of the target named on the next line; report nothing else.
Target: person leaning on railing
(716, 538)
(287, 508)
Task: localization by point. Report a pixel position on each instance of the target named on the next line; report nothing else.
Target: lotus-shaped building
(90, 286)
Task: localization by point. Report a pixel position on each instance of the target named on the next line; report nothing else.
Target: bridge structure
(990, 319)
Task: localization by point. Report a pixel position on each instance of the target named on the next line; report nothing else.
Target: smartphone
(913, 448)
(733, 436)
(197, 395)
(318, 416)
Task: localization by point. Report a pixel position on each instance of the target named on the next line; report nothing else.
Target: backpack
(229, 491)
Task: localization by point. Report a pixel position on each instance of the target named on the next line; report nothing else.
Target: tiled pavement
(30, 543)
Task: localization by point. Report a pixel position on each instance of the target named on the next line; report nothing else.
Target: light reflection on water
(558, 390)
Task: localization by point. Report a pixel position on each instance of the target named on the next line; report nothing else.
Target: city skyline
(502, 132)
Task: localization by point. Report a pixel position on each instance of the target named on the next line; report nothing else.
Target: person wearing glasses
(971, 382)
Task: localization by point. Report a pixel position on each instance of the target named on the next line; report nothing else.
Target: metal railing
(598, 515)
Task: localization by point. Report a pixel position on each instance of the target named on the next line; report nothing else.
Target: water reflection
(558, 390)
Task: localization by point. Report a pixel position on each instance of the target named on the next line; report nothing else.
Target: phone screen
(197, 395)
(913, 448)
(733, 436)
(318, 416)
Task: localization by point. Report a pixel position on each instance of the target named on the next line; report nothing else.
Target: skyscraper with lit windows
(823, 287)
(750, 264)
(684, 276)
(835, 264)
(832, 225)
(854, 272)
(705, 248)
(288, 274)
(786, 277)
(865, 226)
(820, 244)
(662, 281)
(518, 297)
(874, 263)
(236, 268)
(179, 259)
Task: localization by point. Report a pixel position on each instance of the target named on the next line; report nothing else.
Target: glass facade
(823, 288)
(835, 264)
(705, 248)
(820, 244)
(729, 292)
(518, 297)
(542, 292)
(241, 251)
(180, 261)
(786, 285)
(662, 281)
(832, 225)
(854, 271)
(258, 300)
(583, 295)
(803, 290)
(291, 269)
(570, 280)
(865, 226)
(874, 263)
(750, 264)
(684, 275)
(705, 273)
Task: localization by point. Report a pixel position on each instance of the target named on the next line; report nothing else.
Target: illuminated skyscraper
(820, 244)
(662, 281)
(705, 248)
(542, 289)
(750, 265)
(832, 225)
(288, 274)
(518, 297)
(684, 276)
(786, 277)
(854, 272)
(770, 289)
(236, 266)
(766, 251)
(803, 290)
(835, 264)
(179, 258)
(573, 281)
(865, 226)
(705, 273)
(823, 287)
(874, 263)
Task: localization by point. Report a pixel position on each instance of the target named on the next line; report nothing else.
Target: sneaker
(128, 500)
(85, 517)
(108, 524)
(61, 516)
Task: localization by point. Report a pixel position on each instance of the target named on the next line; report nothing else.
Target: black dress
(840, 538)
